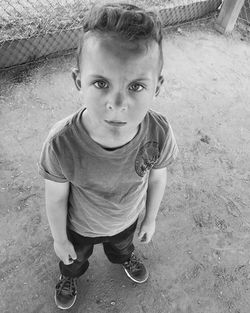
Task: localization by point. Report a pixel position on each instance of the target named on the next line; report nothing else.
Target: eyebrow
(98, 76)
(105, 78)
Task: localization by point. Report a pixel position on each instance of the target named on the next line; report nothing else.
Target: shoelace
(133, 263)
(67, 286)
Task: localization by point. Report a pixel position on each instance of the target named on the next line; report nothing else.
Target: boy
(107, 162)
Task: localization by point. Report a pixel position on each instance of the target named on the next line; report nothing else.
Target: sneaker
(135, 269)
(65, 293)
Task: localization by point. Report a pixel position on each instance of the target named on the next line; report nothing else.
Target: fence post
(228, 15)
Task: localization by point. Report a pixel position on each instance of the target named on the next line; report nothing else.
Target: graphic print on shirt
(147, 157)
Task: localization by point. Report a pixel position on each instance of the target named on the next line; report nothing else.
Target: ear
(76, 78)
(159, 84)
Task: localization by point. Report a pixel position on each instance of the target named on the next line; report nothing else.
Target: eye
(136, 87)
(101, 84)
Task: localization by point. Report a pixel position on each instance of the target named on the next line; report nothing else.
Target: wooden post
(228, 15)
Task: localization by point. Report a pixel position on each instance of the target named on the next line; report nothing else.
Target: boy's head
(119, 59)
(126, 21)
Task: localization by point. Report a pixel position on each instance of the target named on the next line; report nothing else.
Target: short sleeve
(169, 150)
(49, 166)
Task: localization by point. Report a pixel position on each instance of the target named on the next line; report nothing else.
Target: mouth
(116, 123)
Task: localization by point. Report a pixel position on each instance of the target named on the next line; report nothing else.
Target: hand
(146, 231)
(65, 251)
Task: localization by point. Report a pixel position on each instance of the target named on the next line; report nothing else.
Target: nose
(117, 101)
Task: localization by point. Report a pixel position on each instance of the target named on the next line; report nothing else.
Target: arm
(56, 199)
(156, 187)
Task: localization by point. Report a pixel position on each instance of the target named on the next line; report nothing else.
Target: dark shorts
(118, 249)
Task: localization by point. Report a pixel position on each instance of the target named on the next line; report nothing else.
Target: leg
(83, 250)
(66, 288)
(120, 247)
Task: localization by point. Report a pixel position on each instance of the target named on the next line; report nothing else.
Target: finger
(70, 259)
(143, 237)
(140, 235)
(73, 255)
(67, 261)
(147, 240)
(72, 252)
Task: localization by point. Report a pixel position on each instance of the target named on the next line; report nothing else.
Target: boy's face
(118, 81)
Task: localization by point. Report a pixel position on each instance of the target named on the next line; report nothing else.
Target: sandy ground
(199, 260)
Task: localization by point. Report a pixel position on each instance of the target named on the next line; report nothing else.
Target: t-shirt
(107, 187)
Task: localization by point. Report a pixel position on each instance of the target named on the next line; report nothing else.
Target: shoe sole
(139, 282)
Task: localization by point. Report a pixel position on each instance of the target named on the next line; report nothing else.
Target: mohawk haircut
(128, 21)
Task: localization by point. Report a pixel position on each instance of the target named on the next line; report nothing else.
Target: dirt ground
(199, 259)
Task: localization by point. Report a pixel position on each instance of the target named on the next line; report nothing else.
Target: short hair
(126, 20)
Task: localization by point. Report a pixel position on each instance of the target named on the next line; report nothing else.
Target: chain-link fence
(243, 21)
(32, 29)
(245, 13)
